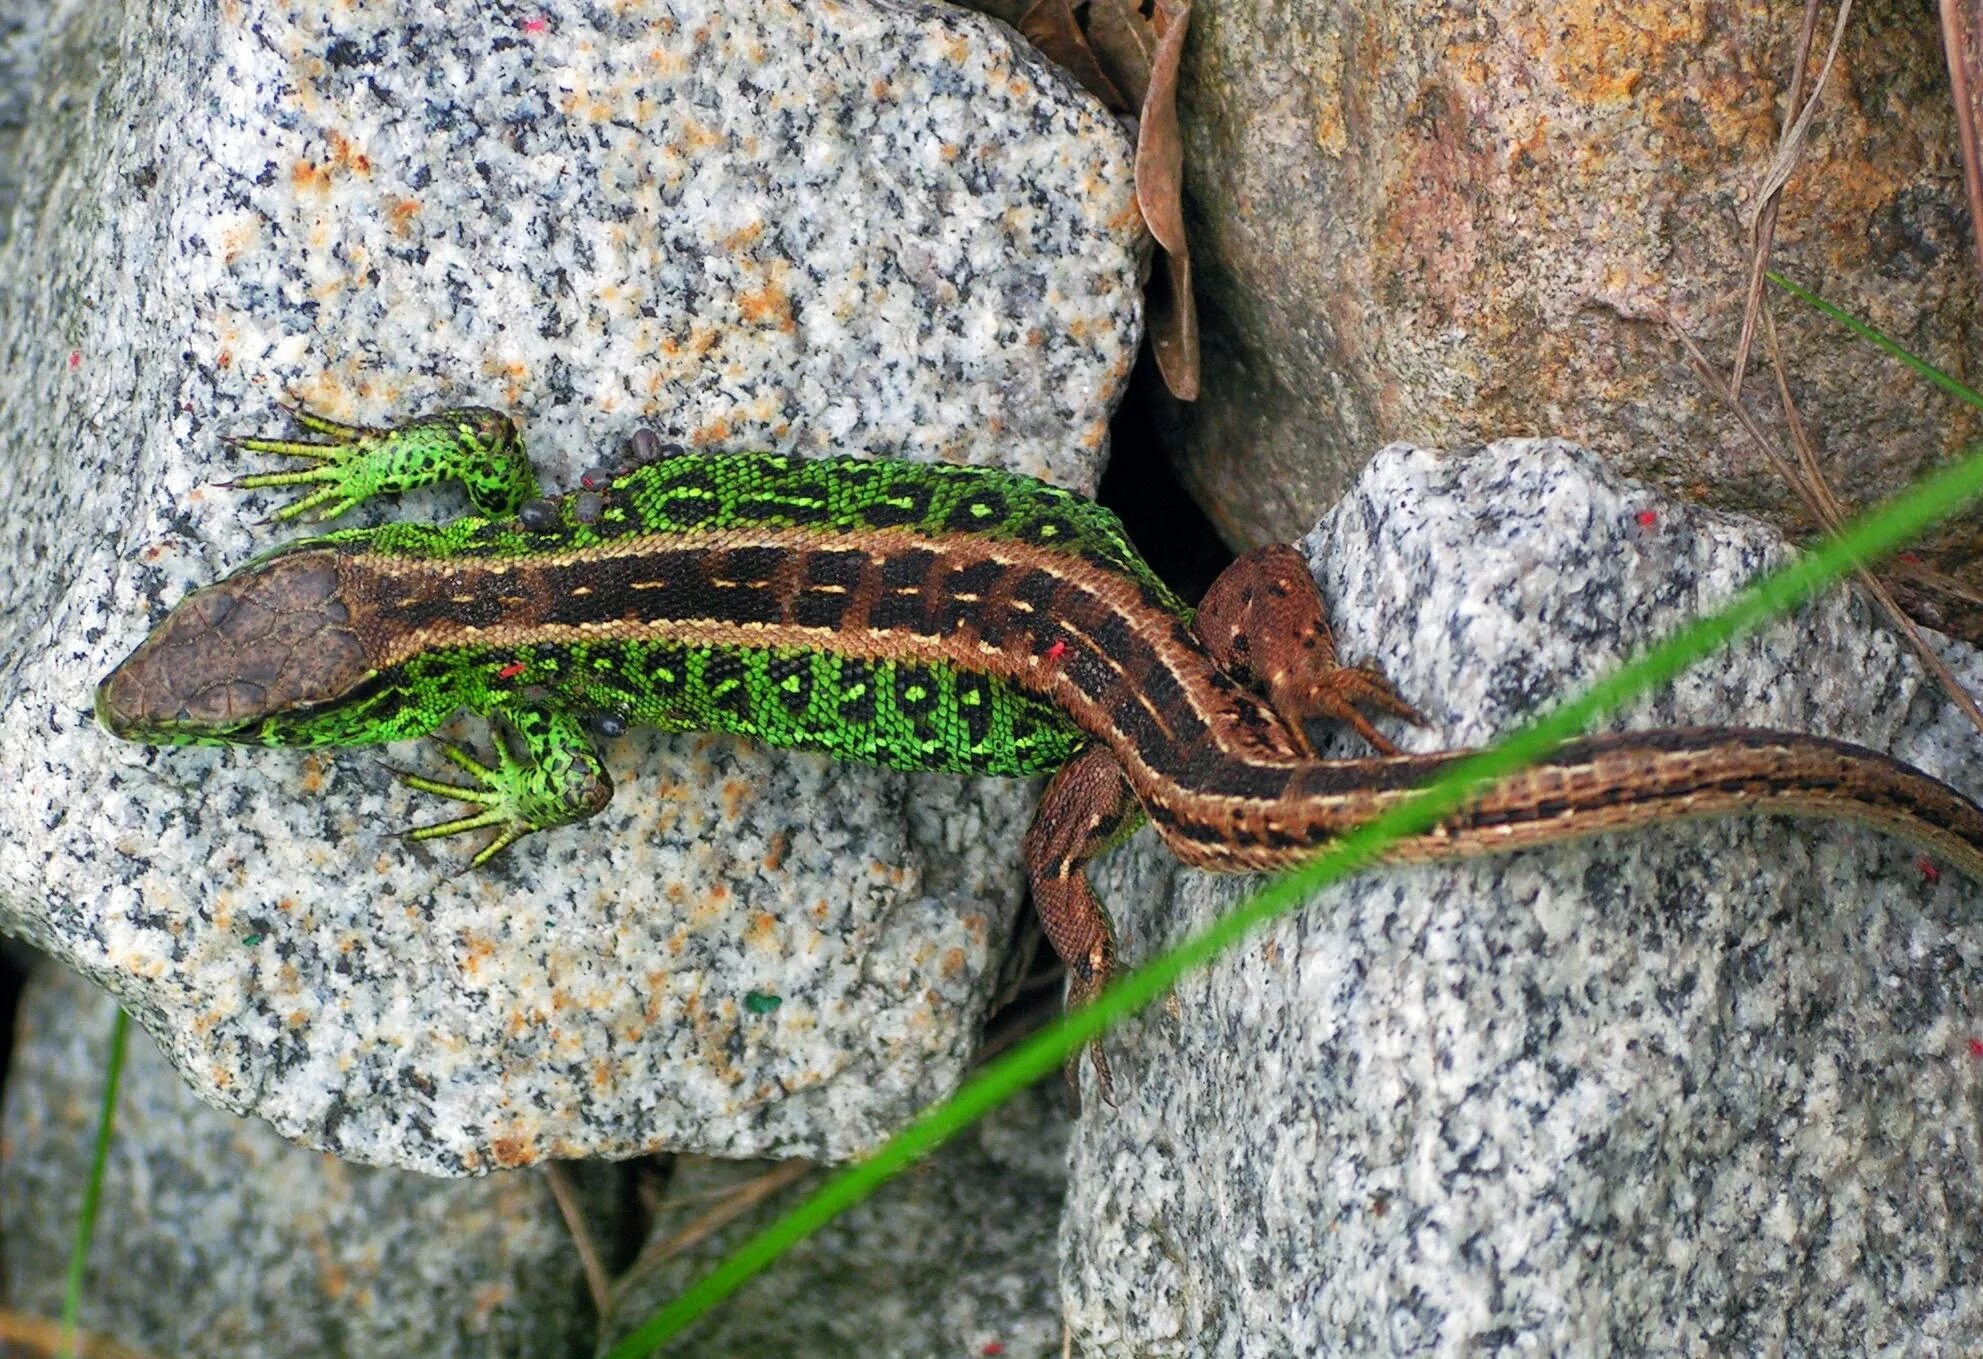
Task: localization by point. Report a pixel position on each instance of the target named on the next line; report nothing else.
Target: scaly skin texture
(922, 617)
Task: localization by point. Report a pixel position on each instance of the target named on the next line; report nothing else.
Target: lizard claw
(1348, 694)
(1104, 1083)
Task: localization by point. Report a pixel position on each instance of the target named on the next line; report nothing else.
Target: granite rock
(864, 225)
(1709, 1088)
(216, 1237)
(1446, 223)
(953, 1257)
(22, 30)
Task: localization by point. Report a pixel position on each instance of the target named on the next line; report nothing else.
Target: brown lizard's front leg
(1086, 808)
(1263, 624)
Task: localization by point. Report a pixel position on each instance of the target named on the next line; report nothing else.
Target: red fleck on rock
(1929, 873)
(1647, 518)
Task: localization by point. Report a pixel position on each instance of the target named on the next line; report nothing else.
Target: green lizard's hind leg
(352, 463)
(1263, 623)
(1086, 808)
(547, 773)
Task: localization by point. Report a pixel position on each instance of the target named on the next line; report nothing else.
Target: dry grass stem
(581, 1237)
(1789, 148)
(1962, 40)
(1823, 508)
(733, 1205)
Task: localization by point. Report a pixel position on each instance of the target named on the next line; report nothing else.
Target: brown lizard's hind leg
(1262, 622)
(1086, 808)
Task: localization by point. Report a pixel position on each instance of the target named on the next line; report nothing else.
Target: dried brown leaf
(1159, 143)
(1160, 196)
(1050, 26)
(1174, 327)
(1125, 43)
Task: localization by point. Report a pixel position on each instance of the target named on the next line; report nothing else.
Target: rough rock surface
(1711, 1088)
(1449, 223)
(858, 225)
(954, 1257)
(216, 1237)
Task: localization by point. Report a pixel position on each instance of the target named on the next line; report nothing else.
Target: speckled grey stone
(1707, 1089)
(818, 227)
(954, 1257)
(216, 1237)
(24, 26)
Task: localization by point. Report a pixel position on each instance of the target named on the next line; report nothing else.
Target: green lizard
(922, 617)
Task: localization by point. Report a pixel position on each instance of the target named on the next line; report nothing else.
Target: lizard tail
(1595, 785)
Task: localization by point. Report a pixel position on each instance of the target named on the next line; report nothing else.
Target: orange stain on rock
(768, 306)
(488, 1300)
(476, 952)
(400, 213)
(513, 1151)
(347, 158)
(309, 177)
(696, 138)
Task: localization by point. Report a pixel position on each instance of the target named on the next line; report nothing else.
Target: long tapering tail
(1586, 787)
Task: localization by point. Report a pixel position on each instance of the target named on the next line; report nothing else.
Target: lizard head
(259, 658)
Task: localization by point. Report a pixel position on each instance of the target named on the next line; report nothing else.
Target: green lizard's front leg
(547, 773)
(476, 445)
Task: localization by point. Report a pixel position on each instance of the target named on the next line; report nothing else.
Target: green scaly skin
(539, 697)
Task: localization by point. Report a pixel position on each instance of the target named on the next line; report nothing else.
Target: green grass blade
(1872, 336)
(79, 1253)
(1870, 537)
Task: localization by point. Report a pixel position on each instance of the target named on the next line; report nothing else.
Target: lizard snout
(273, 638)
